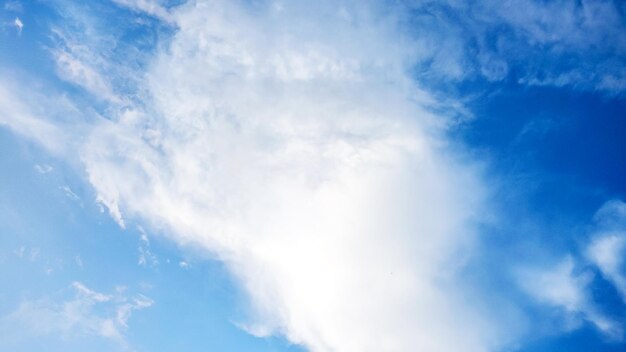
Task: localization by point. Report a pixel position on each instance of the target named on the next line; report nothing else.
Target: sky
(349, 176)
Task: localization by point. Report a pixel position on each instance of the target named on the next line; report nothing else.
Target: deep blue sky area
(563, 151)
(565, 147)
(557, 131)
(380, 176)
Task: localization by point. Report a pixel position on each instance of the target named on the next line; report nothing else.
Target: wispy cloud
(70, 194)
(555, 43)
(562, 287)
(568, 283)
(146, 257)
(14, 6)
(608, 248)
(18, 24)
(150, 7)
(43, 168)
(77, 63)
(18, 115)
(87, 313)
(608, 252)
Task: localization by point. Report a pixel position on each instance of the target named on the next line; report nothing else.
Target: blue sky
(327, 176)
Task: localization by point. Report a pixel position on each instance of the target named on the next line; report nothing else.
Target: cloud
(297, 156)
(612, 215)
(557, 43)
(607, 252)
(608, 248)
(14, 6)
(43, 169)
(94, 53)
(77, 71)
(79, 261)
(146, 257)
(18, 115)
(87, 313)
(567, 286)
(560, 286)
(32, 254)
(18, 24)
(69, 193)
(292, 143)
(150, 7)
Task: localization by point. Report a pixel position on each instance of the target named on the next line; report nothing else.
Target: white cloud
(87, 313)
(150, 7)
(608, 247)
(18, 115)
(78, 71)
(34, 253)
(558, 285)
(291, 143)
(79, 261)
(286, 144)
(43, 169)
(589, 33)
(14, 6)
(19, 252)
(612, 215)
(570, 289)
(607, 252)
(18, 24)
(84, 291)
(69, 193)
(146, 257)
(548, 43)
(562, 287)
(89, 52)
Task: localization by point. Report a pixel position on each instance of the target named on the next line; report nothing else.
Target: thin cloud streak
(87, 313)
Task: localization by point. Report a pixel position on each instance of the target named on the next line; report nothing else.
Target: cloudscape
(333, 175)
